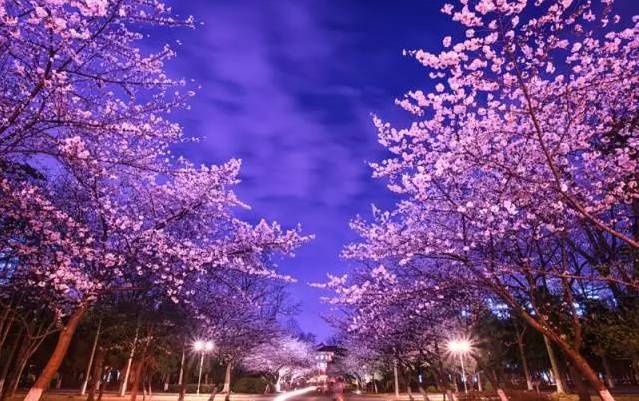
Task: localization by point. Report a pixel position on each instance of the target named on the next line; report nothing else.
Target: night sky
(289, 86)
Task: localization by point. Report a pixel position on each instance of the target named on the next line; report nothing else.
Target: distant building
(325, 356)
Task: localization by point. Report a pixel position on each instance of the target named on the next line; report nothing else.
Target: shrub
(191, 388)
(563, 397)
(250, 385)
(513, 395)
(520, 395)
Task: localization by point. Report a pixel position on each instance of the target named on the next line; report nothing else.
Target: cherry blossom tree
(519, 172)
(162, 235)
(403, 315)
(544, 105)
(240, 313)
(91, 199)
(282, 358)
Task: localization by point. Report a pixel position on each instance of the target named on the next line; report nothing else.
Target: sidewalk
(73, 395)
(391, 396)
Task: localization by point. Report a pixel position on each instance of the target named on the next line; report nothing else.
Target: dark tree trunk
(60, 350)
(15, 374)
(185, 375)
(227, 381)
(101, 391)
(96, 376)
(522, 354)
(9, 361)
(409, 391)
(213, 392)
(572, 353)
(608, 371)
(182, 392)
(136, 378)
(580, 387)
(423, 392)
(7, 322)
(442, 378)
(495, 382)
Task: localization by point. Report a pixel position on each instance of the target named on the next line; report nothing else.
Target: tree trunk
(60, 350)
(182, 392)
(149, 382)
(181, 375)
(140, 372)
(127, 372)
(570, 352)
(9, 360)
(578, 361)
(494, 381)
(277, 383)
(635, 368)
(85, 382)
(213, 392)
(4, 318)
(16, 376)
(269, 384)
(610, 380)
(135, 379)
(18, 368)
(580, 386)
(409, 391)
(554, 366)
(586, 371)
(396, 380)
(502, 394)
(101, 389)
(524, 360)
(227, 381)
(423, 393)
(96, 378)
(442, 378)
(7, 324)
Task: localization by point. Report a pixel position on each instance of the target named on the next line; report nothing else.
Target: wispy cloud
(288, 86)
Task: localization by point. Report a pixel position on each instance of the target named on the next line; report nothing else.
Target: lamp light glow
(459, 346)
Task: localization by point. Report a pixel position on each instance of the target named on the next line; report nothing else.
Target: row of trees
(133, 345)
(518, 181)
(99, 222)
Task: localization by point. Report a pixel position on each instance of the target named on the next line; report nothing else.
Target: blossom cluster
(92, 201)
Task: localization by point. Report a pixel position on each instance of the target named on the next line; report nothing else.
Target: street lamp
(202, 347)
(460, 347)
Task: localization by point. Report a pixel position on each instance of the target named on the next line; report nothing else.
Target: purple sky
(288, 86)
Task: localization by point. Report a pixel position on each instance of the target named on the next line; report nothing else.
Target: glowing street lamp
(202, 347)
(460, 347)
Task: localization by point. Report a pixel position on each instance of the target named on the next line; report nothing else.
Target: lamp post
(461, 348)
(202, 347)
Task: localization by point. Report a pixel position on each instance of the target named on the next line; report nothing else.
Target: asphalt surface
(317, 396)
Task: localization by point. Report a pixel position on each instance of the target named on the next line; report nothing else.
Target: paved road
(295, 395)
(315, 396)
